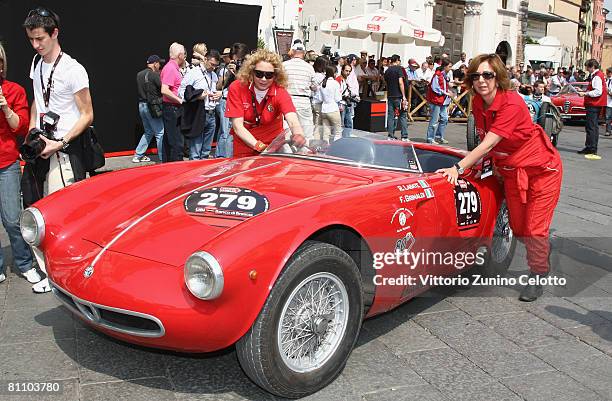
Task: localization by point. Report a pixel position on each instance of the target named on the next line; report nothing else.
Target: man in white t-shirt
(61, 86)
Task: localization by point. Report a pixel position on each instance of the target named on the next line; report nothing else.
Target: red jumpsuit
(531, 168)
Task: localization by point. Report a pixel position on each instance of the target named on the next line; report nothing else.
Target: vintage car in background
(571, 105)
(278, 254)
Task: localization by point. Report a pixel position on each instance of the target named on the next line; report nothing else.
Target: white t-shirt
(330, 95)
(69, 78)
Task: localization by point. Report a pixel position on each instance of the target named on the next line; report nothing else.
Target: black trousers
(592, 128)
(173, 139)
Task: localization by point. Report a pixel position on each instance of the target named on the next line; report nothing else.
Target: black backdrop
(112, 40)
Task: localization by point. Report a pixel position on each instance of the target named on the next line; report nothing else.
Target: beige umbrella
(384, 27)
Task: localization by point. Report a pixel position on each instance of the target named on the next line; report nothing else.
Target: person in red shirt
(14, 120)
(257, 102)
(524, 157)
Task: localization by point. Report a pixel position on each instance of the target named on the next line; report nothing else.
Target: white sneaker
(32, 276)
(145, 159)
(41, 287)
(2, 277)
(135, 159)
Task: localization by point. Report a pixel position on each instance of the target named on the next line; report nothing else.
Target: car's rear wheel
(549, 128)
(472, 136)
(309, 324)
(500, 254)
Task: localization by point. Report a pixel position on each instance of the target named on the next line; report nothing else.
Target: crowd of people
(245, 98)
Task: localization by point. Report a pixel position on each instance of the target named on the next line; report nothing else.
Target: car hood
(573, 98)
(166, 227)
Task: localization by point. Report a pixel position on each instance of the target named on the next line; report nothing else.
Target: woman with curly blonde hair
(257, 102)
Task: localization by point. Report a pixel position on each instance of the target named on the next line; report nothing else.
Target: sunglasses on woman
(487, 75)
(268, 74)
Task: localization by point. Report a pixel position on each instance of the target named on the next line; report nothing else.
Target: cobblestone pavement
(450, 344)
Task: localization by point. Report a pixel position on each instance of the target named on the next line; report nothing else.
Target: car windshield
(573, 88)
(364, 149)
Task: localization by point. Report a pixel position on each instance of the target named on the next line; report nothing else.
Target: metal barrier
(413, 91)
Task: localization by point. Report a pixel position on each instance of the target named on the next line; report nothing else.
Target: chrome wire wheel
(312, 322)
(502, 236)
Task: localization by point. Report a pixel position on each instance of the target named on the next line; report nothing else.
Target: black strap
(47, 91)
(257, 116)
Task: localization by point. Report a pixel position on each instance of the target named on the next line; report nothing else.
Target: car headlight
(32, 226)
(203, 275)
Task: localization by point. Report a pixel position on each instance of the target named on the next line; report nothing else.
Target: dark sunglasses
(268, 74)
(43, 12)
(487, 75)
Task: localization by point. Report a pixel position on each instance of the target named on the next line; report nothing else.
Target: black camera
(34, 145)
(349, 100)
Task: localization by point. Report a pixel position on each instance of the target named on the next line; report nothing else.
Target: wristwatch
(459, 169)
(64, 144)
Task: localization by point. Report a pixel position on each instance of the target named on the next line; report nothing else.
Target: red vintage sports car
(570, 105)
(279, 254)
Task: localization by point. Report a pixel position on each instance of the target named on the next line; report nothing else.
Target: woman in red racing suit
(524, 157)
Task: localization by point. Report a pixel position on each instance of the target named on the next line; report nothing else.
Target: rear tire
(472, 136)
(549, 128)
(299, 344)
(503, 245)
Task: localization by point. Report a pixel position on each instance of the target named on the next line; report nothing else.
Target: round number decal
(231, 202)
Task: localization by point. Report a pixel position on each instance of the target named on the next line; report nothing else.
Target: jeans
(592, 128)
(153, 127)
(10, 210)
(393, 104)
(608, 119)
(199, 147)
(225, 142)
(173, 139)
(437, 122)
(346, 118)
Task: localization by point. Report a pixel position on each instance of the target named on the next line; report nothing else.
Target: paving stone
(48, 360)
(550, 386)
(20, 296)
(400, 337)
(339, 389)
(150, 389)
(484, 306)
(422, 305)
(563, 353)
(465, 334)
(599, 336)
(525, 329)
(445, 366)
(508, 364)
(412, 393)
(562, 313)
(593, 373)
(478, 391)
(209, 374)
(29, 325)
(103, 359)
(373, 367)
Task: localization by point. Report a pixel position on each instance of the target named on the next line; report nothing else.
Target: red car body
(570, 104)
(115, 245)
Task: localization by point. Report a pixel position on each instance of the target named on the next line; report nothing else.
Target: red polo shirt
(507, 117)
(273, 107)
(17, 101)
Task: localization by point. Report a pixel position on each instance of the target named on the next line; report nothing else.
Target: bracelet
(260, 146)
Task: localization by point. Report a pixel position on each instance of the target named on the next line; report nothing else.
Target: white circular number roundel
(230, 202)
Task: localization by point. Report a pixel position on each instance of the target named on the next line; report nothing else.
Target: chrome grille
(566, 106)
(120, 320)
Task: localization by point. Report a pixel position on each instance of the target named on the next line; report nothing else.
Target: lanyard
(257, 116)
(47, 91)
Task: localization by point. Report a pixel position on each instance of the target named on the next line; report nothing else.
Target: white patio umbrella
(384, 27)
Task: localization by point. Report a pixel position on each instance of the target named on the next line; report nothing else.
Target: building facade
(567, 31)
(606, 58)
(599, 27)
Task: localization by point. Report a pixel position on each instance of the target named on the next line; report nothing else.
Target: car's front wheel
(309, 324)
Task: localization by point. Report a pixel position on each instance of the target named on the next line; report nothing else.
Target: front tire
(309, 324)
